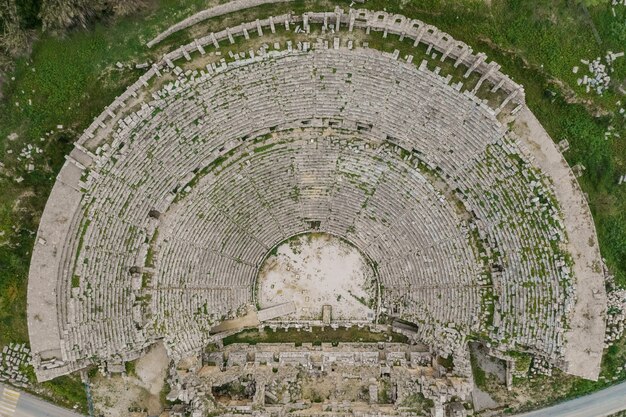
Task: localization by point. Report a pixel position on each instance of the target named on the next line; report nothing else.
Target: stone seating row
(223, 201)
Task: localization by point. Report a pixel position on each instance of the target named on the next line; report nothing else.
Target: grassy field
(68, 81)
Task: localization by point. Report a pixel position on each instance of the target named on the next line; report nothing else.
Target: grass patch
(67, 391)
(130, 368)
(417, 403)
(480, 377)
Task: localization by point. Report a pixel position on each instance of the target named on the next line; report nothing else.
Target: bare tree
(125, 7)
(13, 39)
(58, 15)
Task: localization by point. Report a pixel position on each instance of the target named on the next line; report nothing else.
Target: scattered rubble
(275, 377)
(600, 79)
(14, 358)
(616, 314)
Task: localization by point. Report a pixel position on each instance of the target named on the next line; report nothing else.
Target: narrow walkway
(219, 10)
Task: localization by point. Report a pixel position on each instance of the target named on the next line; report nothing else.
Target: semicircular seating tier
(160, 231)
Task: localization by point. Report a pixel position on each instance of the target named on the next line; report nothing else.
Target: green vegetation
(447, 363)
(263, 148)
(130, 368)
(68, 81)
(522, 361)
(558, 387)
(480, 377)
(384, 394)
(163, 393)
(317, 336)
(151, 248)
(66, 391)
(417, 403)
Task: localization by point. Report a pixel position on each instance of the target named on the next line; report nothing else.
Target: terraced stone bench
(164, 212)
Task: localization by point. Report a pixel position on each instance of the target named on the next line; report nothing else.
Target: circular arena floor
(318, 269)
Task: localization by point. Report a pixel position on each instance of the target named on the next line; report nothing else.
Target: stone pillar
(156, 70)
(352, 20)
(185, 53)
(492, 68)
(479, 60)
(510, 97)
(230, 36)
(214, 40)
(467, 50)
(448, 50)
(246, 35)
(338, 14)
(286, 24)
(259, 29)
(169, 62)
(305, 22)
(272, 27)
(199, 47)
(418, 38)
(497, 86)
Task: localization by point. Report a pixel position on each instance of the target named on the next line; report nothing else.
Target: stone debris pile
(27, 155)
(611, 132)
(14, 358)
(616, 316)
(600, 78)
(278, 378)
(540, 367)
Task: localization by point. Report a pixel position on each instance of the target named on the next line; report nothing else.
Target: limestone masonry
(171, 200)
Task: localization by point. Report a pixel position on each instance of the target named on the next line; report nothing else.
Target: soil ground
(317, 269)
(115, 396)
